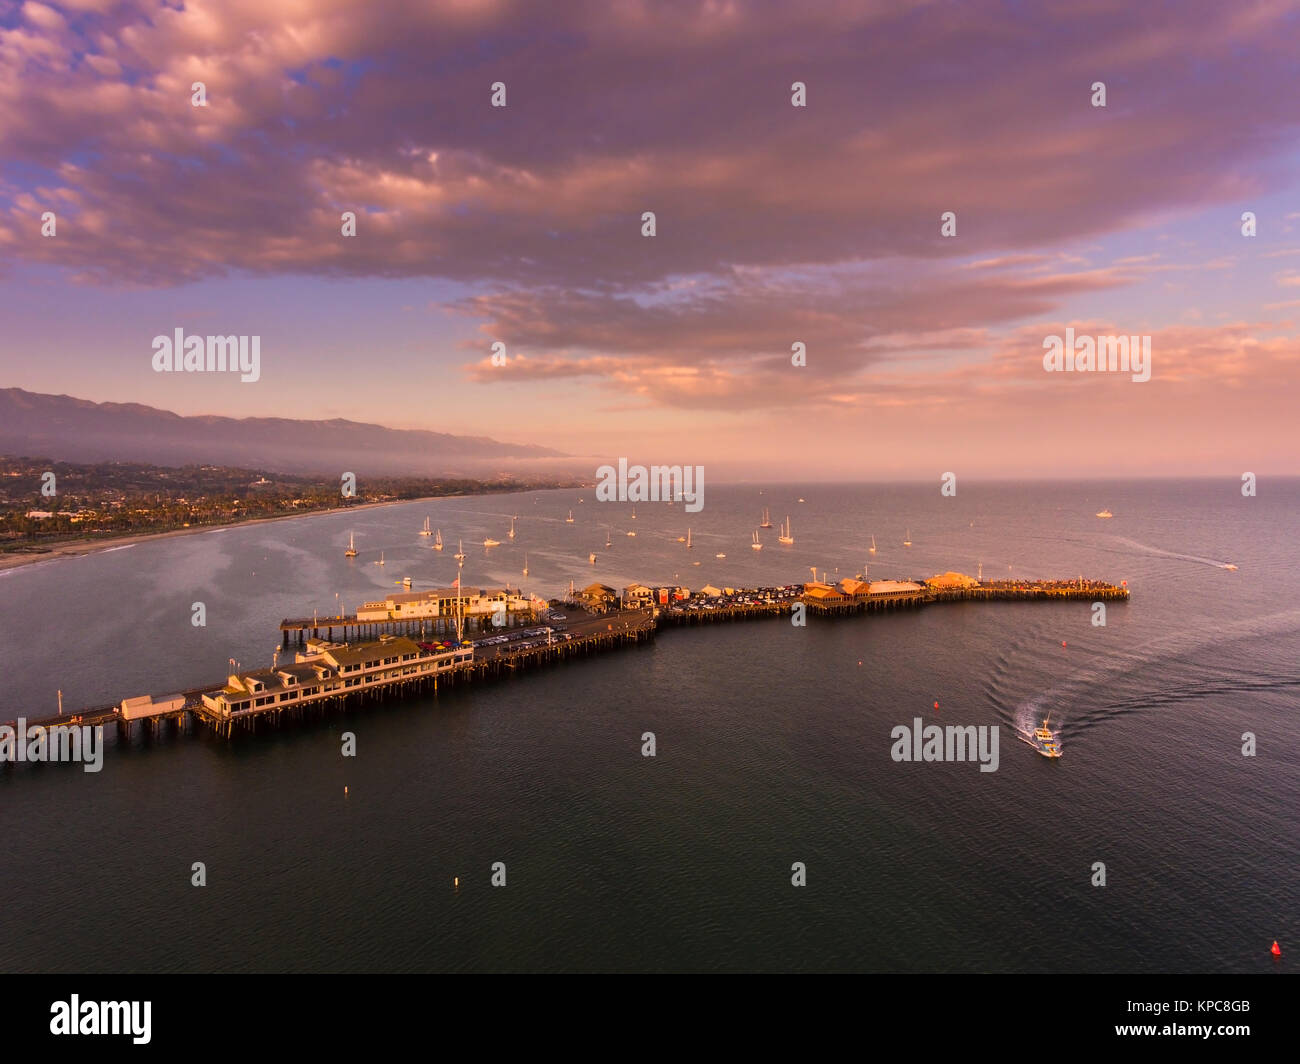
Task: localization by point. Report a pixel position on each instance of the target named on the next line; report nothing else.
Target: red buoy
(936, 705)
(1062, 642)
(1276, 950)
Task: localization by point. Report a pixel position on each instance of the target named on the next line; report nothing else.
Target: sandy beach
(78, 548)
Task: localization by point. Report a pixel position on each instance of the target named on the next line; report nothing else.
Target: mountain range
(78, 430)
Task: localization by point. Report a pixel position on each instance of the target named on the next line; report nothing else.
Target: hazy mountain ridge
(79, 430)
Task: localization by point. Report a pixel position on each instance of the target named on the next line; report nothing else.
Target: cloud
(614, 109)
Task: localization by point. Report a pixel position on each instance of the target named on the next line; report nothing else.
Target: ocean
(772, 747)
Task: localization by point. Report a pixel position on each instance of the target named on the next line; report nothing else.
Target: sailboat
(608, 542)
(873, 545)
(426, 531)
(767, 519)
(688, 539)
(381, 558)
(525, 564)
(908, 541)
(512, 528)
(756, 545)
(633, 513)
(569, 520)
(460, 550)
(785, 536)
(351, 552)
(437, 543)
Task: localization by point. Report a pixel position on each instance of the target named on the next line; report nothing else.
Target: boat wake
(1160, 552)
(1164, 672)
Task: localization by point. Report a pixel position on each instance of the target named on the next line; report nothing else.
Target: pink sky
(776, 224)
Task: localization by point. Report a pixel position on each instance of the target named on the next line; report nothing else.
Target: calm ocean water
(773, 747)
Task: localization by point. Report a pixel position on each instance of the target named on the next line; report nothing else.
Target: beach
(81, 547)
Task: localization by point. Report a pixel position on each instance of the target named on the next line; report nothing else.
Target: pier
(397, 662)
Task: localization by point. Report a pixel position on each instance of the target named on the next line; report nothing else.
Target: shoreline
(82, 547)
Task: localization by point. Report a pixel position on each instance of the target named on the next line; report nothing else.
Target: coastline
(82, 547)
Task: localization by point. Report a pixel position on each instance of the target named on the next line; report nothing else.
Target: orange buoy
(936, 705)
(1276, 950)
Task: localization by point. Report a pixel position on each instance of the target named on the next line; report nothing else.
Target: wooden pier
(582, 635)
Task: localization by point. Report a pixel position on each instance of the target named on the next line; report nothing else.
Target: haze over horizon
(775, 224)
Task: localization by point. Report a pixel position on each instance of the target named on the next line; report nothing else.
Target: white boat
(525, 564)
(569, 520)
(437, 543)
(381, 558)
(801, 500)
(633, 516)
(681, 539)
(873, 544)
(767, 519)
(608, 541)
(719, 555)
(490, 542)
(592, 557)
(756, 545)
(908, 541)
(1104, 513)
(426, 531)
(406, 582)
(785, 536)
(512, 528)
(1229, 565)
(631, 533)
(351, 552)
(1046, 741)
(460, 550)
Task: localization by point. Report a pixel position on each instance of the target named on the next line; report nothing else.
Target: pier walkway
(502, 652)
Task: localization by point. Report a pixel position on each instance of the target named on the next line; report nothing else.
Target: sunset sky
(776, 223)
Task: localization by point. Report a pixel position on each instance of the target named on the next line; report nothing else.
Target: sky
(775, 224)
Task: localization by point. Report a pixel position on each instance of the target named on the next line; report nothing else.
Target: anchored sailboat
(908, 541)
(460, 550)
(381, 558)
(437, 543)
(873, 545)
(512, 528)
(426, 531)
(785, 536)
(688, 539)
(569, 520)
(767, 519)
(756, 545)
(525, 563)
(351, 552)
(608, 542)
